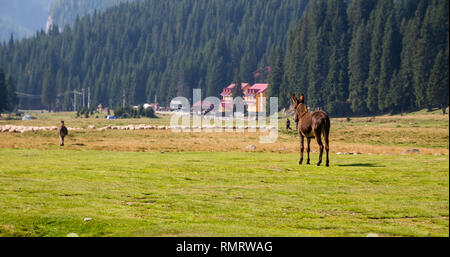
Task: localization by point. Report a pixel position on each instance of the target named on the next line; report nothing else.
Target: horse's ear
(296, 101)
(302, 98)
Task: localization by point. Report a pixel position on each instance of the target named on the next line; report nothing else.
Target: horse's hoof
(318, 164)
(308, 162)
(300, 162)
(328, 165)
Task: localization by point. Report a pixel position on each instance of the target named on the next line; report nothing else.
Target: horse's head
(300, 106)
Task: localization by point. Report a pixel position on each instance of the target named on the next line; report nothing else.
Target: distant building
(227, 95)
(100, 108)
(155, 106)
(252, 96)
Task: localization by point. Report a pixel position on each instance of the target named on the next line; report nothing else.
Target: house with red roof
(253, 96)
(227, 95)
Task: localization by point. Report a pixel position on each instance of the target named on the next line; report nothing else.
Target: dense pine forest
(362, 57)
(149, 50)
(8, 97)
(366, 58)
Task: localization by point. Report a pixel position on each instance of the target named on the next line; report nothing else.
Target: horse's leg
(302, 147)
(318, 135)
(308, 148)
(327, 146)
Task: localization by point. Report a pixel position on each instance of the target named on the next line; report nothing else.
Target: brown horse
(311, 125)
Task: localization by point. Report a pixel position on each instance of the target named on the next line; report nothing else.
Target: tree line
(130, 112)
(8, 97)
(370, 57)
(348, 57)
(149, 51)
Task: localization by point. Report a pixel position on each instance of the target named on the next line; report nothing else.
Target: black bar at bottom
(226, 246)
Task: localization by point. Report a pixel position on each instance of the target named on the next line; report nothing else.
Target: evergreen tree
(337, 77)
(377, 22)
(216, 78)
(12, 100)
(438, 87)
(275, 77)
(317, 71)
(390, 62)
(248, 65)
(404, 97)
(295, 77)
(359, 12)
(358, 70)
(237, 89)
(48, 96)
(3, 92)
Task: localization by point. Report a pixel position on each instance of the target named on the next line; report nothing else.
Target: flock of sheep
(23, 129)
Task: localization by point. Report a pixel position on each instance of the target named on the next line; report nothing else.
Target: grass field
(208, 184)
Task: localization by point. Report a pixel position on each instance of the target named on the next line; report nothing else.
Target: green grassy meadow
(50, 193)
(160, 183)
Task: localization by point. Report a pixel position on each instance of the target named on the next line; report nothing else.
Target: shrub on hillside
(85, 111)
(127, 112)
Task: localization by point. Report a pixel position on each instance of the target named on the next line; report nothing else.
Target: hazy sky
(22, 17)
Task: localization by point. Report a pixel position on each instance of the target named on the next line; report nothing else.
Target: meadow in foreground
(49, 193)
(160, 183)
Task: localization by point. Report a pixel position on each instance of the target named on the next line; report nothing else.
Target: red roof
(256, 89)
(227, 91)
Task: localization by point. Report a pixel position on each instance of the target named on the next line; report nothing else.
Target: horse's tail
(326, 131)
(327, 125)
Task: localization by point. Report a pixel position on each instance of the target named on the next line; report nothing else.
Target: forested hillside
(370, 57)
(8, 97)
(348, 57)
(65, 12)
(155, 49)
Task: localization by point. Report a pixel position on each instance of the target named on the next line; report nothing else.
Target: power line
(74, 92)
(25, 95)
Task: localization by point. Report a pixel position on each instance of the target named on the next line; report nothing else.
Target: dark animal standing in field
(311, 125)
(62, 131)
(210, 108)
(288, 124)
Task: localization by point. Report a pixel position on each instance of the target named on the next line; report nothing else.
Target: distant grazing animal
(210, 108)
(288, 124)
(311, 125)
(62, 131)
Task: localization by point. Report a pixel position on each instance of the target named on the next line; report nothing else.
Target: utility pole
(83, 96)
(123, 98)
(74, 100)
(89, 97)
